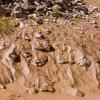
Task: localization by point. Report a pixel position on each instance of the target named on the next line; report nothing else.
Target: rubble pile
(43, 9)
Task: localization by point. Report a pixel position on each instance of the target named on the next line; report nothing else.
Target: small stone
(30, 90)
(48, 48)
(34, 15)
(84, 62)
(1, 87)
(39, 21)
(48, 32)
(14, 57)
(81, 59)
(22, 25)
(38, 35)
(46, 20)
(80, 94)
(56, 7)
(74, 92)
(27, 7)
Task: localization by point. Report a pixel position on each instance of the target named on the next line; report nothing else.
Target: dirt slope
(56, 60)
(93, 2)
(69, 66)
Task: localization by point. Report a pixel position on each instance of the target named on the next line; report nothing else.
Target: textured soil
(60, 74)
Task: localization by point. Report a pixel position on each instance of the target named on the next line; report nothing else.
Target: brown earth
(58, 74)
(61, 76)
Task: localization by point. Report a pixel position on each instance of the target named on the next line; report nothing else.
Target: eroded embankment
(54, 58)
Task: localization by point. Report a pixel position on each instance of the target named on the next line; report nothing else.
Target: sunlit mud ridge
(51, 63)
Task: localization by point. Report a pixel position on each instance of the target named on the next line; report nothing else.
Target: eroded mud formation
(59, 56)
(49, 62)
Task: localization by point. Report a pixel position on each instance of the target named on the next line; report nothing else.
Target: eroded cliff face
(49, 46)
(52, 58)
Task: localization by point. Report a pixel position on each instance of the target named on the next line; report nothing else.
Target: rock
(74, 92)
(30, 90)
(42, 45)
(39, 20)
(94, 24)
(81, 59)
(41, 8)
(22, 25)
(62, 21)
(84, 62)
(38, 35)
(48, 31)
(34, 15)
(80, 94)
(17, 12)
(27, 37)
(27, 7)
(26, 33)
(92, 8)
(14, 57)
(1, 87)
(56, 7)
(48, 48)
